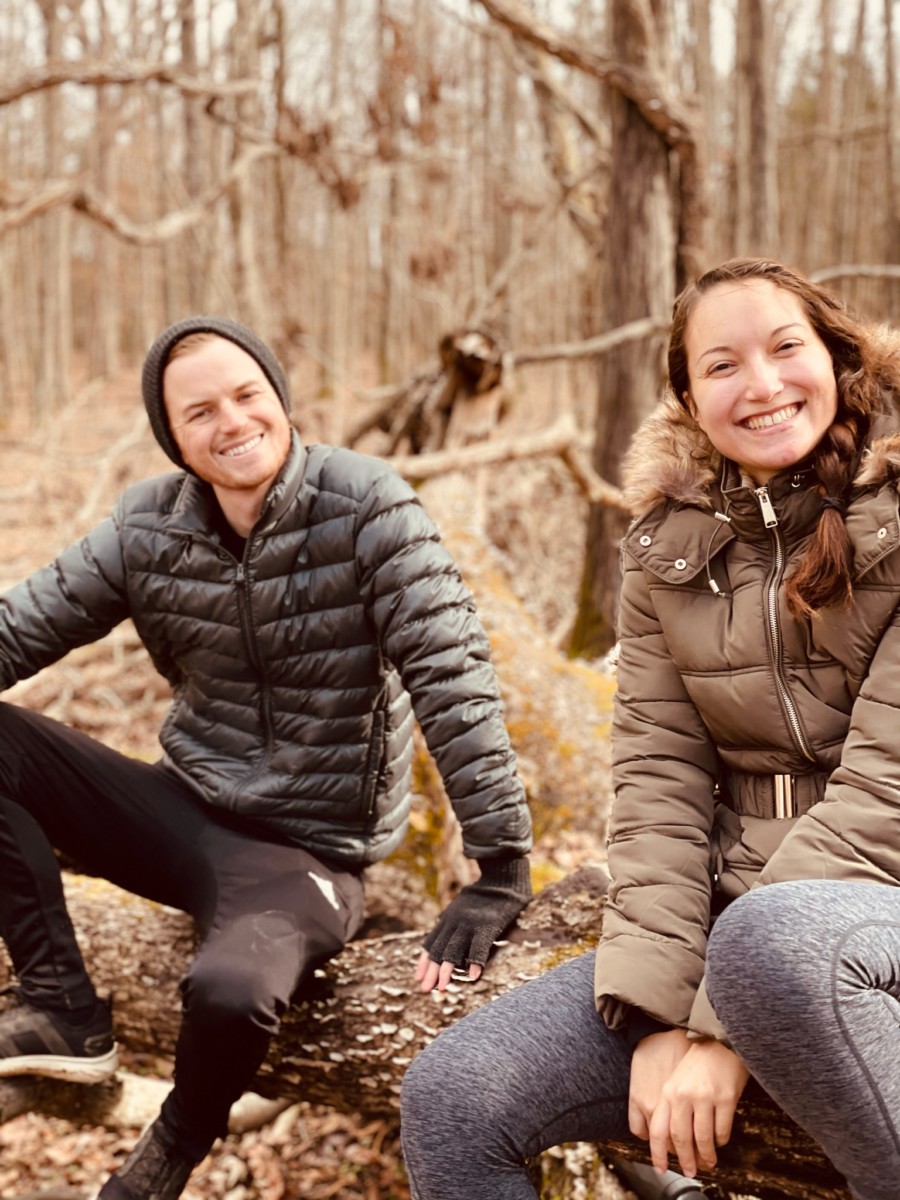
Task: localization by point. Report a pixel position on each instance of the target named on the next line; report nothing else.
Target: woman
(756, 740)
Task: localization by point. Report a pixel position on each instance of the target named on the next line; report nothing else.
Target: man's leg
(269, 914)
(116, 817)
(280, 913)
(533, 1068)
(806, 979)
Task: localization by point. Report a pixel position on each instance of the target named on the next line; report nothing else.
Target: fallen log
(349, 1041)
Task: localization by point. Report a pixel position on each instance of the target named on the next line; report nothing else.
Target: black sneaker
(36, 1042)
(154, 1170)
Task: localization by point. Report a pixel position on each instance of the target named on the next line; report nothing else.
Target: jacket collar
(681, 490)
(196, 509)
(672, 459)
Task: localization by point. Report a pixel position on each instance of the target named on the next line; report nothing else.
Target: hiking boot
(154, 1170)
(38, 1042)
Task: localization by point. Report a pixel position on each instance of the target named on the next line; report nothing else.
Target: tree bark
(755, 165)
(348, 1042)
(634, 284)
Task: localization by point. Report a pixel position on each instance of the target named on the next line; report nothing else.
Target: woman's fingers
(637, 1121)
(659, 1134)
(681, 1131)
(705, 1118)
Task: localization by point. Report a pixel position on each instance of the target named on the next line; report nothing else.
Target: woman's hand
(696, 1106)
(655, 1058)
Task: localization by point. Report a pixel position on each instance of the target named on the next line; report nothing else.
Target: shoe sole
(57, 1066)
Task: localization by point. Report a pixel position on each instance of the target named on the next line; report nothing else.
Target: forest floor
(57, 482)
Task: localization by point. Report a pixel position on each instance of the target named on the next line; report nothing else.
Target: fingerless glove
(470, 924)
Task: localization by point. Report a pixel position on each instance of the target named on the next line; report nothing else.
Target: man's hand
(469, 925)
(696, 1106)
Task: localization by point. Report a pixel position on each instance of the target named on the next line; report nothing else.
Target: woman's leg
(806, 979)
(533, 1068)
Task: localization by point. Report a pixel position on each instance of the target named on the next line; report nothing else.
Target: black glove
(470, 924)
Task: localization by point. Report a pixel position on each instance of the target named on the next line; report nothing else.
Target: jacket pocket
(740, 846)
(374, 763)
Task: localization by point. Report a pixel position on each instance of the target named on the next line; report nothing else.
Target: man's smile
(243, 448)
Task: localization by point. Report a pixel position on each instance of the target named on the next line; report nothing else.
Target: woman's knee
(477, 1079)
(759, 947)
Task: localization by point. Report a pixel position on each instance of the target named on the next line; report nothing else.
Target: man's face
(226, 417)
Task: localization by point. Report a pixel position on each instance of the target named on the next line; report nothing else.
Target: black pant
(267, 913)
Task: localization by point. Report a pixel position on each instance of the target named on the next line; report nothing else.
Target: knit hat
(158, 357)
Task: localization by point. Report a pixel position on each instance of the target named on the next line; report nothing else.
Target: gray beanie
(158, 356)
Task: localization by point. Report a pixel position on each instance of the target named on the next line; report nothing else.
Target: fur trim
(670, 458)
(880, 462)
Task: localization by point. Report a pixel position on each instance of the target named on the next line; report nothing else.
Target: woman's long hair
(865, 370)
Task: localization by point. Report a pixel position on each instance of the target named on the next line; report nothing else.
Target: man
(301, 605)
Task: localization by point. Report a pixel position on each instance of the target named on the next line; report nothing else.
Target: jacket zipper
(770, 520)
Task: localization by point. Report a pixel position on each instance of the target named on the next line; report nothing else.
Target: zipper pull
(239, 577)
(766, 507)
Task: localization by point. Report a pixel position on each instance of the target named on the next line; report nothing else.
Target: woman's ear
(688, 401)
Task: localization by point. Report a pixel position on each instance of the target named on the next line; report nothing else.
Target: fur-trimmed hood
(671, 458)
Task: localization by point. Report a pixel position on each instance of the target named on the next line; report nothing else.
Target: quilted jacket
(722, 693)
(292, 669)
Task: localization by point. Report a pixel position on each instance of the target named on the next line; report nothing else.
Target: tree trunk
(248, 198)
(638, 278)
(54, 335)
(361, 1022)
(891, 154)
(103, 332)
(755, 146)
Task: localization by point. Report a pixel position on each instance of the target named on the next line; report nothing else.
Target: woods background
(377, 186)
(356, 179)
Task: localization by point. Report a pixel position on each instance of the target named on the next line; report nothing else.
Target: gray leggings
(806, 977)
(533, 1068)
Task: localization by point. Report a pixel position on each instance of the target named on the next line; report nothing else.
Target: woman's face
(762, 380)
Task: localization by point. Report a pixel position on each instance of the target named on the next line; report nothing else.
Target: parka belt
(774, 796)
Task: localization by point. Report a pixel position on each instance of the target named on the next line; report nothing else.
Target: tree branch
(84, 199)
(96, 74)
(562, 438)
(630, 332)
(856, 271)
(673, 121)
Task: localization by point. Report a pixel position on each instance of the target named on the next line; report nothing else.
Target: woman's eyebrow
(775, 333)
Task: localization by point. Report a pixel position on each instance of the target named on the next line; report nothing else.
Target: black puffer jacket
(292, 670)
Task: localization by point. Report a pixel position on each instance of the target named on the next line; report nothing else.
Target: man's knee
(247, 973)
(227, 994)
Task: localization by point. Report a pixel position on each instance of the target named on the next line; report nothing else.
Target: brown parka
(732, 715)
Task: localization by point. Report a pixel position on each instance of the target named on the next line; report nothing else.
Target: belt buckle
(784, 797)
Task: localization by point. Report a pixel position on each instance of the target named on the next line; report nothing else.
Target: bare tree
(638, 278)
(756, 198)
(54, 282)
